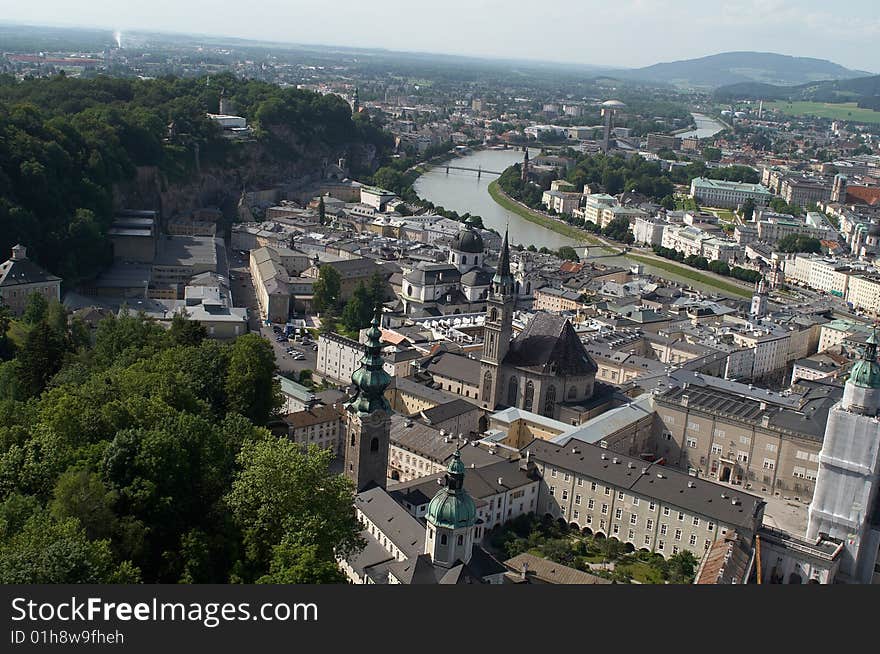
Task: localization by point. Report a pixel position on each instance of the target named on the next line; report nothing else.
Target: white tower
(844, 502)
(759, 300)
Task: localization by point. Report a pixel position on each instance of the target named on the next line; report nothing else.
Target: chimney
(684, 400)
(765, 420)
(19, 253)
(500, 480)
(524, 571)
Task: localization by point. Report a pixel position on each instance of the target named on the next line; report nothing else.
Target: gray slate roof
(549, 344)
(672, 487)
(23, 271)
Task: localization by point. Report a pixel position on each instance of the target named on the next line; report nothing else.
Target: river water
(461, 191)
(706, 127)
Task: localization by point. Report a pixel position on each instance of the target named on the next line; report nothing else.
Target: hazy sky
(615, 32)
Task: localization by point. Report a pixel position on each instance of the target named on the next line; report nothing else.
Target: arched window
(572, 392)
(409, 290)
(443, 539)
(550, 401)
(460, 539)
(352, 439)
(464, 260)
(487, 386)
(512, 392)
(493, 314)
(374, 445)
(529, 396)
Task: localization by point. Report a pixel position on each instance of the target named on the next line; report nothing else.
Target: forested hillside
(141, 454)
(66, 143)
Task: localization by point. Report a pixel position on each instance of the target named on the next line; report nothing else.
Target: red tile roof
(863, 195)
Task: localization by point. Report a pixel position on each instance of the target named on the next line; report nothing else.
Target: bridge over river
(479, 169)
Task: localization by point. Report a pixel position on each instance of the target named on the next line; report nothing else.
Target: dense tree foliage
(143, 457)
(720, 267)
(799, 243)
(66, 143)
(615, 174)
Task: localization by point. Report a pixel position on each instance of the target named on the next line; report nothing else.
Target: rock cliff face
(281, 164)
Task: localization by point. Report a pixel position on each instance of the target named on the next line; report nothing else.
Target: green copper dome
(452, 507)
(370, 379)
(866, 371)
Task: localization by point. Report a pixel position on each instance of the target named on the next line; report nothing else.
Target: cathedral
(460, 285)
(545, 366)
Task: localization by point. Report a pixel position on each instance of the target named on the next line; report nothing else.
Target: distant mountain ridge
(729, 68)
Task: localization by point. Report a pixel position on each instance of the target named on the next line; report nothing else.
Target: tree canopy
(143, 457)
(67, 144)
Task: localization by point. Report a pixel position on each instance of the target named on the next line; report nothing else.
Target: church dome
(467, 240)
(452, 506)
(866, 371)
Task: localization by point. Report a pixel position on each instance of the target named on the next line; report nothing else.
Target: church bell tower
(368, 418)
(498, 329)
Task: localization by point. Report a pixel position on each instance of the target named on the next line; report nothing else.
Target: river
(706, 127)
(461, 191)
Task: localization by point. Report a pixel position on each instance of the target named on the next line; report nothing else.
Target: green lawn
(642, 572)
(724, 215)
(533, 217)
(691, 273)
(835, 111)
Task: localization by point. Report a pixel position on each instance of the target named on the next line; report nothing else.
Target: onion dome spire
(370, 379)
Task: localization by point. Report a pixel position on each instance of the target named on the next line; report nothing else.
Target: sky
(626, 33)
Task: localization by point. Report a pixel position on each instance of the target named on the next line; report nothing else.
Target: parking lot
(286, 362)
(243, 294)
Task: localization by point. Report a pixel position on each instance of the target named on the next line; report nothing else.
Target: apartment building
(338, 357)
(650, 506)
(820, 273)
(836, 332)
(318, 425)
(746, 437)
(594, 205)
(864, 293)
(773, 230)
(556, 299)
(502, 490)
(20, 277)
(648, 229)
(802, 191)
(719, 193)
(561, 201)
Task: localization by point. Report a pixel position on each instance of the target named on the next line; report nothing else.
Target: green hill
(729, 68)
